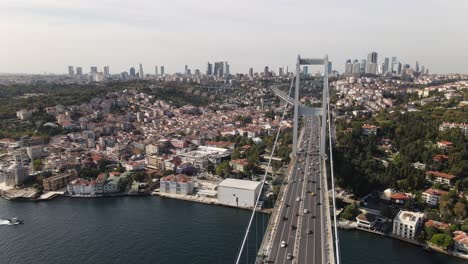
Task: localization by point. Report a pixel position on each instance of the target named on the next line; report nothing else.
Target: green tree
(460, 210)
(139, 176)
(350, 211)
(442, 240)
(224, 169)
(37, 164)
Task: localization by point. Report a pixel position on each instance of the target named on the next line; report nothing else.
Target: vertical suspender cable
(264, 177)
(333, 186)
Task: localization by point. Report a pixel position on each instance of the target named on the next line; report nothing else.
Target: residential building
(58, 181)
(462, 126)
(239, 193)
(366, 220)
(238, 164)
(444, 144)
(431, 196)
(461, 241)
(440, 177)
(407, 223)
(367, 129)
(81, 187)
(176, 184)
(34, 152)
(24, 114)
(201, 157)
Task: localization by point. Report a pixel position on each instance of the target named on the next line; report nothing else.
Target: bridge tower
(301, 110)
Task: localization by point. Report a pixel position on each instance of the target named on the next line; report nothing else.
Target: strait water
(158, 230)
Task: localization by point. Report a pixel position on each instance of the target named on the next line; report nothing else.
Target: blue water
(158, 230)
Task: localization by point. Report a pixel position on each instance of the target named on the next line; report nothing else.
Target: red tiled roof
(399, 196)
(443, 142)
(441, 175)
(176, 178)
(367, 126)
(460, 237)
(437, 192)
(436, 224)
(241, 162)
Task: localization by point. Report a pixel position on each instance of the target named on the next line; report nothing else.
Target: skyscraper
(79, 71)
(209, 69)
(186, 70)
(132, 72)
(348, 67)
(218, 68)
(251, 72)
(106, 71)
(71, 70)
(266, 71)
(363, 66)
(305, 70)
(416, 68)
(330, 67)
(372, 63)
(156, 70)
(93, 69)
(356, 67)
(162, 70)
(141, 73)
(386, 66)
(226, 68)
(280, 71)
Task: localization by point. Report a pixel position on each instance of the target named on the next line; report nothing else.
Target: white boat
(15, 221)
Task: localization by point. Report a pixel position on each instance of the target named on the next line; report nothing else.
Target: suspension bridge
(301, 229)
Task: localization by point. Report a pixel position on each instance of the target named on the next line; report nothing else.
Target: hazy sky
(48, 35)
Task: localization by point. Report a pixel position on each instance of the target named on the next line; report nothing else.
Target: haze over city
(47, 35)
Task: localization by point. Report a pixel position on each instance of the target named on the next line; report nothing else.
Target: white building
(176, 184)
(440, 177)
(24, 114)
(15, 174)
(366, 220)
(80, 187)
(406, 224)
(201, 157)
(34, 152)
(432, 196)
(240, 193)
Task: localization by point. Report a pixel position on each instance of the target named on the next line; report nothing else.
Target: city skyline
(121, 33)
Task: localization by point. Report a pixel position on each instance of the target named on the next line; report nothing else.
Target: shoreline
(191, 198)
(424, 245)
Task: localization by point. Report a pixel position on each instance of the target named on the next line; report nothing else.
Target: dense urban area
(399, 138)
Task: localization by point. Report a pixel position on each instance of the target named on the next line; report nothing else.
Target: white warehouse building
(239, 193)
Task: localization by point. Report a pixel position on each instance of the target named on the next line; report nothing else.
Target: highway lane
(310, 244)
(284, 231)
(303, 179)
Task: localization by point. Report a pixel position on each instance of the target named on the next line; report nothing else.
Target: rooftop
(408, 217)
(239, 184)
(441, 175)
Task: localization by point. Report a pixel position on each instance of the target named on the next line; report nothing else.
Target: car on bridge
(283, 244)
(289, 256)
(298, 199)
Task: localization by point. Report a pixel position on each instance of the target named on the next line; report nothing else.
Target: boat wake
(4, 222)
